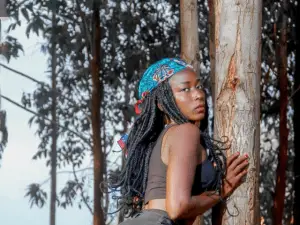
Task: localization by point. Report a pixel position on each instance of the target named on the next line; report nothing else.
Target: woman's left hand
(236, 170)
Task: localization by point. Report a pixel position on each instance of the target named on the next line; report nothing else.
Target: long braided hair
(132, 180)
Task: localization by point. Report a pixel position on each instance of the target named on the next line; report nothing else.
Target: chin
(197, 118)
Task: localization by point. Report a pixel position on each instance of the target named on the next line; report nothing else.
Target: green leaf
(25, 13)
(36, 195)
(28, 29)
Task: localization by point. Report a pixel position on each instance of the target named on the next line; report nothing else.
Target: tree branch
(295, 92)
(44, 118)
(46, 85)
(81, 192)
(65, 172)
(23, 75)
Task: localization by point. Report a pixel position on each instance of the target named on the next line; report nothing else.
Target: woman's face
(189, 94)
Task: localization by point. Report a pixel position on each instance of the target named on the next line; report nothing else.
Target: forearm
(199, 204)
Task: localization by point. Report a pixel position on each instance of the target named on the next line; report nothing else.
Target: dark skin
(179, 203)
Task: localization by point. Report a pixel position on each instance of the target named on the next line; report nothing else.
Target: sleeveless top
(156, 185)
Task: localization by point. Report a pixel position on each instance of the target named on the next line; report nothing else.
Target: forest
(247, 54)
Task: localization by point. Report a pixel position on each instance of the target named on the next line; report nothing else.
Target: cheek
(181, 101)
(180, 98)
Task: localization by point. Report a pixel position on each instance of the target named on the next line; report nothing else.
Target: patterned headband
(152, 77)
(159, 72)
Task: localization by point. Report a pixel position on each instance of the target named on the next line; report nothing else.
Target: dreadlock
(132, 180)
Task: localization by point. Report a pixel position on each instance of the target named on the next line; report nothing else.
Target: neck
(169, 121)
(197, 123)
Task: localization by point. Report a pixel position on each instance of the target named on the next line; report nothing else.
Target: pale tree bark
(281, 61)
(189, 32)
(96, 116)
(219, 208)
(212, 47)
(190, 43)
(237, 96)
(54, 122)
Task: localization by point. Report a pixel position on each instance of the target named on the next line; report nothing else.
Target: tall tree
(96, 115)
(212, 47)
(189, 42)
(296, 122)
(237, 97)
(281, 61)
(53, 195)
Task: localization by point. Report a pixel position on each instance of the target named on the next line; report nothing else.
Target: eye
(200, 87)
(185, 89)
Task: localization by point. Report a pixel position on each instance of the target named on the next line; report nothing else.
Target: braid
(131, 182)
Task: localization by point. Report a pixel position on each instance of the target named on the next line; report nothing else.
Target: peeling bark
(237, 96)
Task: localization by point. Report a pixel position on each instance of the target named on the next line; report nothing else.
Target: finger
(231, 158)
(240, 167)
(237, 161)
(241, 175)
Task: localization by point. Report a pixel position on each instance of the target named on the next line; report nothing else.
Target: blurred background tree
(97, 66)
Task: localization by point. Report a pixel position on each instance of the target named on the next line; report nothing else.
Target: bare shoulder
(183, 133)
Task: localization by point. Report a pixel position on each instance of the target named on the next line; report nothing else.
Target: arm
(182, 161)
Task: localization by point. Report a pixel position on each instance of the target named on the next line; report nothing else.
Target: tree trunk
(281, 60)
(54, 122)
(189, 32)
(296, 122)
(212, 47)
(96, 118)
(126, 119)
(190, 43)
(237, 97)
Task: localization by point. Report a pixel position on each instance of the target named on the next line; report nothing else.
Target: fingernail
(238, 153)
(246, 155)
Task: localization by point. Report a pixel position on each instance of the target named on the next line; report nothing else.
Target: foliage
(134, 34)
(3, 132)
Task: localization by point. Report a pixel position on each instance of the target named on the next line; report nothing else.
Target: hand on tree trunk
(236, 170)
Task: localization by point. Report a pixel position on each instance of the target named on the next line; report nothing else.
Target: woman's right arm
(182, 163)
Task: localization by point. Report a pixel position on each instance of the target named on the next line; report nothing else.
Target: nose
(198, 94)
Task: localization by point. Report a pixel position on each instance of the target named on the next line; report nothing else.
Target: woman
(173, 171)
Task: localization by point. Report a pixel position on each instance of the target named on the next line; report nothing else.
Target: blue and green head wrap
(152, 77)
(159, 72)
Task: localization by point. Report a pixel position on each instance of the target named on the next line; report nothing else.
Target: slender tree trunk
(237, 96)
(125, 126)
(281, 60)
(189, 32)
(212, 47)
(219, 208)
(96, 117)
(190, 43)
(54, 122)
(105, 196)
(296, 122)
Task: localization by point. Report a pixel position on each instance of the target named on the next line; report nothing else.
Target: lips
(200, 108)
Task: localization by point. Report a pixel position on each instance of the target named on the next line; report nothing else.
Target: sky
(17, 167)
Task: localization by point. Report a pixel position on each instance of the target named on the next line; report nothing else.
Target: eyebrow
(188, 82)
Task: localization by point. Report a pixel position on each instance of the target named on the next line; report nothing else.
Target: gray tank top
(156, 184)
